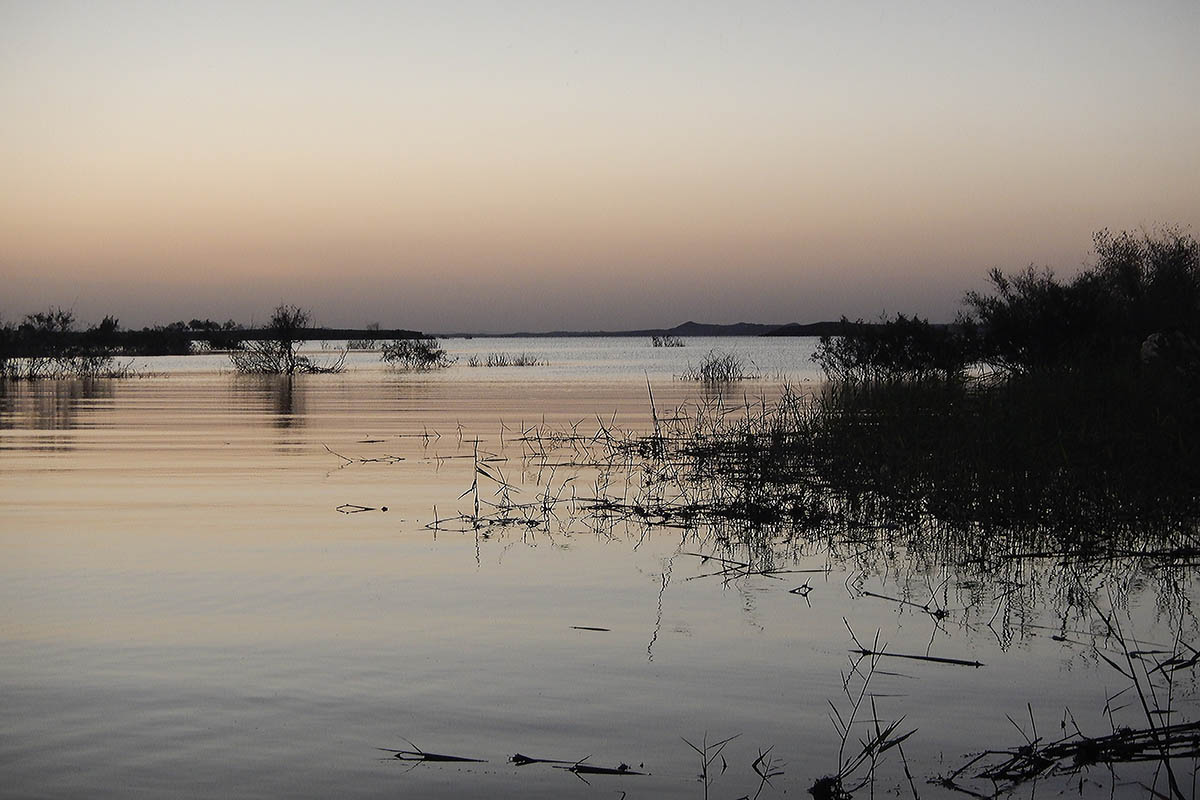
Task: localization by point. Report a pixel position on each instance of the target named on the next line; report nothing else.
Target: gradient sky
(533, 166)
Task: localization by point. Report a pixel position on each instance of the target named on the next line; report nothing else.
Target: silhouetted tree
(278, 352)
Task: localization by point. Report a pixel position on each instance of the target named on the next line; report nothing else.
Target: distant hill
(689, 328)
(811, 329)
(832, 328)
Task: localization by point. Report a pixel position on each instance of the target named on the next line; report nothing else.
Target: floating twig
(589, 769)
(936, 659)
(523, 760)
(417, 754)
(353, 508)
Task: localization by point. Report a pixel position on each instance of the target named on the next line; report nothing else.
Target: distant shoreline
(688, 328)
(175, 340)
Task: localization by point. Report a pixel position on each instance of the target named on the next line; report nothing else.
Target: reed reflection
(1024, 495)
(50, 405)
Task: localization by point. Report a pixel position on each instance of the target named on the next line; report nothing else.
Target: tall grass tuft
(719, 366)
(507, 360)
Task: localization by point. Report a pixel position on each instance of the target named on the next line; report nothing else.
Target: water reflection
(282, 396)
(51, 405)
(215, 588)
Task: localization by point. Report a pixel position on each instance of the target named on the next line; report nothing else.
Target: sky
(486, 166)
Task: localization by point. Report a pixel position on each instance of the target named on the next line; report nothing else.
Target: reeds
(1153, 740)
(66, 367)
(507, 360)
(841, 784)
(719, 366)
(1087, 475)
(978, 471)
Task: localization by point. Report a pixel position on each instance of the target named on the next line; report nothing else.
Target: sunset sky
(479, 166)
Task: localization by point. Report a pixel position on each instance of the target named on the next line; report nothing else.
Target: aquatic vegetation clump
(507, 360)
(48, 346)
(719, 366)
(1156, 738)
(277, 351)
(416, 354)
(1090, 468)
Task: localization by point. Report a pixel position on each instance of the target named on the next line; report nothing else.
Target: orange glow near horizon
(480, 170)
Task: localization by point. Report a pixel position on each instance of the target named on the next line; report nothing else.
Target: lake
(189, 610)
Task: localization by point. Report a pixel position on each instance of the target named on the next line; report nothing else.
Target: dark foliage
(1139, 300)
(47, 345)
(278, 352)
(1139, 286)
(1078, 453)
(904, 348)
(416, 354)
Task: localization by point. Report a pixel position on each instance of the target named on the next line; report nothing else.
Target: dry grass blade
(419, 755)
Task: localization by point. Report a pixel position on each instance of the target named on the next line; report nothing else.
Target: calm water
(586, 359)
(185, 612)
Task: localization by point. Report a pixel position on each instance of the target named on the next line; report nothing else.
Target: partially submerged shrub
(666, 341)
(364, 344)
(416, 354)
(46, 345)
(718, 366)
(278, 352)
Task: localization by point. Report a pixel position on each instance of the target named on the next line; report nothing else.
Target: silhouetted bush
(416, 354)
(46, 345)
(1140, 285)
(718, 366)
(1139, 300)
(278, 352)
(905, 348)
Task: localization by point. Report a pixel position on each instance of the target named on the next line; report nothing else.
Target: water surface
(186, 612)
